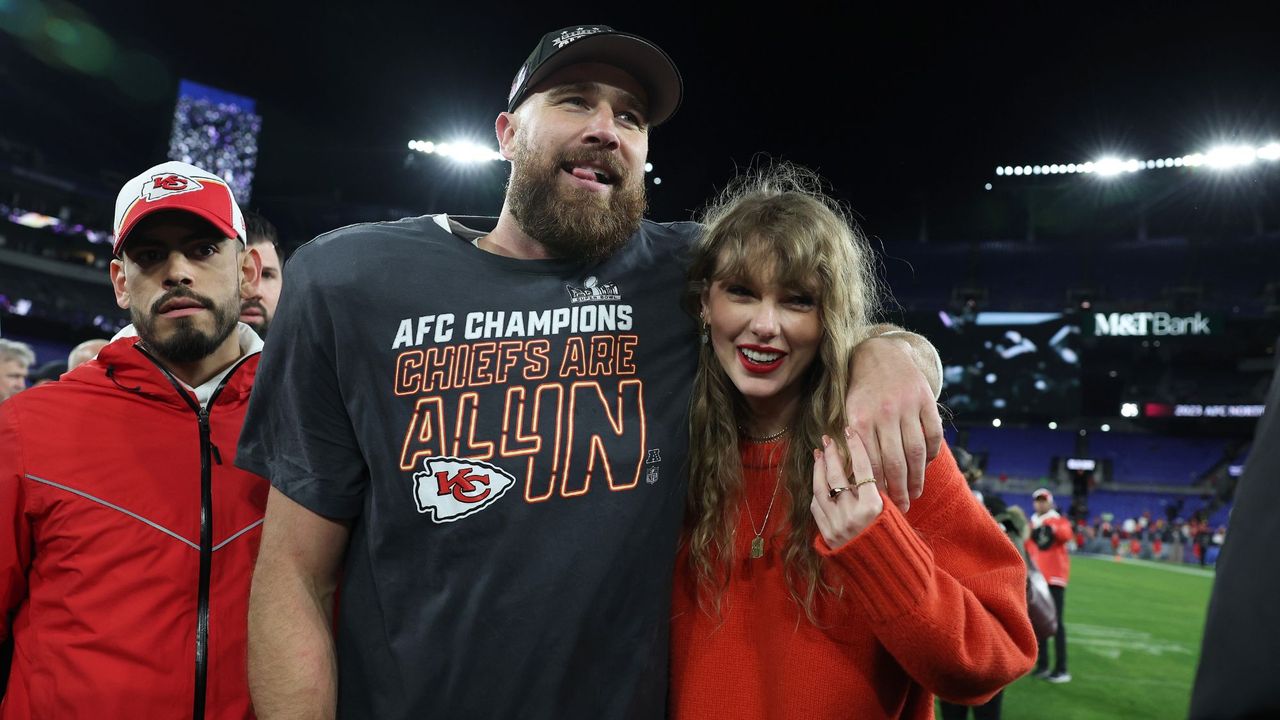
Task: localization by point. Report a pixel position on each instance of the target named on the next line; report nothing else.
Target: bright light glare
(1221, 157)
(1225, 157)
(1129, 410)
(1105, 428)
(463, 152)
(1108, 166)
(1053, 425)
(648, 167)
(995, 423)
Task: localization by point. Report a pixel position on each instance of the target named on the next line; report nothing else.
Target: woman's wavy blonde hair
(777, 222)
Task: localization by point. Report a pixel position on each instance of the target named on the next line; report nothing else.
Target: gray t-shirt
(508, 438)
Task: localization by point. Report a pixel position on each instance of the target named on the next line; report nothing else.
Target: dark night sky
(901, 107)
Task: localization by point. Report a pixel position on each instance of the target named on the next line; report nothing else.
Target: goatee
(574, 222)
(187, 343)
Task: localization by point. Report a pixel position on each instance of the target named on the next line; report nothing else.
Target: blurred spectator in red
(1047, 546)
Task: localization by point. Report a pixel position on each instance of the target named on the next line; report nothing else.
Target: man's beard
(573, 222)
(264, 321)
(186, 344)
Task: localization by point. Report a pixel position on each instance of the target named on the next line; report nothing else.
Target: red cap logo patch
(162, 186)
(451, 488)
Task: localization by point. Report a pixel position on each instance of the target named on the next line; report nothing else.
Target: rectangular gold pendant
(757, 547)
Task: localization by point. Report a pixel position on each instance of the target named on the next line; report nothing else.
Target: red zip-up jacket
(127, 542)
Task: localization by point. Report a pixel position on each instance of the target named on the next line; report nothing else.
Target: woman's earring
(706, 333)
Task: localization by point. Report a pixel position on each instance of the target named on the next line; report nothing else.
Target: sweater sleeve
(943, 588)
(15, 532)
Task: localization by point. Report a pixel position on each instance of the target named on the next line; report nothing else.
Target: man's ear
(505, 128)
(250, 272)
(118, 284)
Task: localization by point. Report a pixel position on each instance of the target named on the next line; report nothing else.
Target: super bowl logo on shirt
(450, 488)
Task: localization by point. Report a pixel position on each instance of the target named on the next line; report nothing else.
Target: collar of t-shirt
(457, 228)
(250, 343)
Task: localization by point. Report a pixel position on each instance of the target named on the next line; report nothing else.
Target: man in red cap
(127, 534)
(1050, 533)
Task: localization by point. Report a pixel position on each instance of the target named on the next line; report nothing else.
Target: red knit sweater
(933, 602)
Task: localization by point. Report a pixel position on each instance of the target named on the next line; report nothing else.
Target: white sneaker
(1059, 677)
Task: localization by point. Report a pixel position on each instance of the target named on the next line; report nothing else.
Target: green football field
(1133, 638)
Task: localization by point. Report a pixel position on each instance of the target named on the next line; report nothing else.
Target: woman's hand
(856, 502)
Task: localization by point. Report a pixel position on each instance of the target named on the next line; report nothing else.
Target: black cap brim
(646, 62)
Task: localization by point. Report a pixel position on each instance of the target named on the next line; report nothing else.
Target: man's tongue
(585, 174)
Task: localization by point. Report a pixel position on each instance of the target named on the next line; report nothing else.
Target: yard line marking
(1197, 572)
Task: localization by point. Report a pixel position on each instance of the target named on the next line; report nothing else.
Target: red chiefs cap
(1042, 493)
(177, 186)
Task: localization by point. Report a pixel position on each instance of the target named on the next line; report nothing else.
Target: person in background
(1047, 546)
(16, 359)
(47, 372)
(84, 352)
(259, 306)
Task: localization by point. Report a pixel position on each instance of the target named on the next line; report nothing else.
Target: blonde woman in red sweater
(801, 591)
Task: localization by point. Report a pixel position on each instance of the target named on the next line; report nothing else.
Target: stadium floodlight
(1053, 425)
(1220, 157)
(462, 152)
(657, 181)
(1129, 410)
(995, 423)
(1225, 157)
(1109, 166)
(648, 167)
(1105, 428)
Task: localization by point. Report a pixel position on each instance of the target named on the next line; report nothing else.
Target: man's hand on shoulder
(892, 407)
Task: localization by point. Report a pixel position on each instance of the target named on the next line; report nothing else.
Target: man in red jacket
(127, 534)
(1050, 533)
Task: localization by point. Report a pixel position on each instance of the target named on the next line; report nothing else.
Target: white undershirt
(250, 343)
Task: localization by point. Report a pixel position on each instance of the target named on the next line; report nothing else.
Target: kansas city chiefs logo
(167, 184)
(451, 489)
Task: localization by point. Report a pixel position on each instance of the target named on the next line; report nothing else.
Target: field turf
(1133, 638)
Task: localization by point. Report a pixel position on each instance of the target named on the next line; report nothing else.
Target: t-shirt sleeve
(297, 432)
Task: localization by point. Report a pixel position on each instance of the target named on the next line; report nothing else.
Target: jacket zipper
(207, 450)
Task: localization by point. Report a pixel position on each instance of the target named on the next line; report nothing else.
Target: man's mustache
(252, 303)
(181, 292)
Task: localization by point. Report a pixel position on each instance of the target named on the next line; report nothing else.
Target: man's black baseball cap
(646, 62)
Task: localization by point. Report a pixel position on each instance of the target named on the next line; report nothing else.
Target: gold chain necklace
(768, 438)
(757, 543)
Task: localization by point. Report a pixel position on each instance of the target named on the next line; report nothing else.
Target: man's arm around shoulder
(293, 670)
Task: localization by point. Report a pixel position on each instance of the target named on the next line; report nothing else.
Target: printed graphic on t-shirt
(552, 392)
(451, 488)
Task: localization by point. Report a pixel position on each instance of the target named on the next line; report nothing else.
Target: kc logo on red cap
(167, 184)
